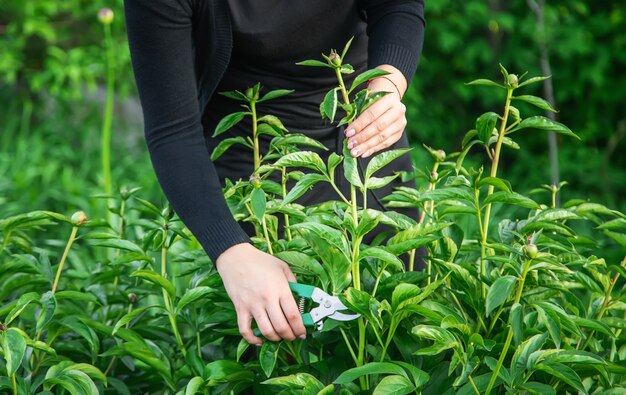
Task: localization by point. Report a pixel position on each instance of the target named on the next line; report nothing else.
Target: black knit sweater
(179, 51)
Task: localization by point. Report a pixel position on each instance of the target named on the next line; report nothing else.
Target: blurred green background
(52, 78)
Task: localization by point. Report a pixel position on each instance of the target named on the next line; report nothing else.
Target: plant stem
(350, 349)
(431, 186)
(284, 182)
(509, 336)
(168, 301)
(267, 236)
(605, 304)
(63, 258)
(108, 115)
(494, 172)
(257, 154)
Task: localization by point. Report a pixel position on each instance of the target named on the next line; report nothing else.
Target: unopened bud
(440, 155)
(434, 176)
(335, 58)
(252, 94)
(531, 251)
(255, 181)
(512, 80)
(132, 298)
(105, 16)
(78, 218)
(514, 113)
(167, 212)
(2, 327)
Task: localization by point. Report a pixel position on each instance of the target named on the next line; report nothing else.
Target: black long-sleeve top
(180, 50)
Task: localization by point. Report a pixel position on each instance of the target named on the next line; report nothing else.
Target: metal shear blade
(329, 306)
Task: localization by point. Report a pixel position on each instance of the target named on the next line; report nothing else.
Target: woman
(184, 51)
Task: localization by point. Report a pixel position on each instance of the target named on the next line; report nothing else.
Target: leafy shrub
(526, 305)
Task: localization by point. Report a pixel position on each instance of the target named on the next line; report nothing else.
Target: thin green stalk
(267, 236)
(168, 301)
(64, 257)
(350, 349)
(509, 336)
(257, 154)
(108, 114)
(605, 304)
(494, 173)
(431, 186)
(284, 184)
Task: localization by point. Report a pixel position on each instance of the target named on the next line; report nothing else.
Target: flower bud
(105, 16)
(335, 58)
(514, 113)
(530, 250)
(255, 181)
(440, 155)
(434, 176)
(167, 212)
(252, 94)
(2, 327)
(132, 298)
(512, 80)
(78, 218)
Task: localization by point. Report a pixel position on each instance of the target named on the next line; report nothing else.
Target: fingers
(244, 319)
(279, 322)
(292, 313)
(377, 128)
(266, 325)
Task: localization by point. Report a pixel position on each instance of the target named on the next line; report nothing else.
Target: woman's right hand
(257, 284)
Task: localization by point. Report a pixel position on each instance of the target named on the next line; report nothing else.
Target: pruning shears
(329, 306)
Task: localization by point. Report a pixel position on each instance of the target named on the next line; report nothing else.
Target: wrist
(233, 250)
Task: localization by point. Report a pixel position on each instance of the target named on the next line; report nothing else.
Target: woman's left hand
(383, 123)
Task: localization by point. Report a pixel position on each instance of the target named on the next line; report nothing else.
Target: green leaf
(308, 159)
(510, 198)
(194, 385)
(21, 304)
(297, 139)
(128, 317)
(226, 371)
(551, 321)
(350, 167)
(301, 263)
(443, 339)
(535, 101)
(350, 375)
(228, 122)
(226, 144)
(394, 385)
(297, 381)
(304, 184)
(235, 95)
(258, 203)
(157, 279)
(365, 76)
(499, 292)
(485, 82)
(383, 159)
(420, 378)
(191, 295)
(329, 105)
(383, 255)
(77, 296)
(562, 372)
(485, 125)
(267, 356)
(536, 388)
(376, 182)
(275, 94)
(533, 80)
(496, 182)
(543, 123)
(519, 361)
(517, 322)
(48, 304)
(118, 244)
(345, 48)
(363, 303)
(315, 63)
(14, 347)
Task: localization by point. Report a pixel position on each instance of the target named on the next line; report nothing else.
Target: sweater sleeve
(396, 33)
(161, 47)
